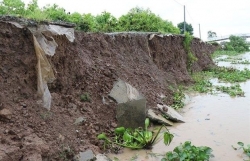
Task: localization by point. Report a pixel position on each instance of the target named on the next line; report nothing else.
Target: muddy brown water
(218, 121)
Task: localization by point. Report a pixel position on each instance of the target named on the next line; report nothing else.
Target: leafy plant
(230, 74)
(178, 99)
(85, 97)
(188, 152)
(218, 53)
(138, 138)
(203, 84)
(233, 90)
(246, 148)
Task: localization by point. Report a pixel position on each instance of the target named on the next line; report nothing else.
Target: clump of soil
(89, 66)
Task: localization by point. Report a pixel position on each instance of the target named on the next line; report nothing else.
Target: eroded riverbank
(218, 121)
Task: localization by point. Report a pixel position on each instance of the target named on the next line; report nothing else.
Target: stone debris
(88, 155)
(5, 114)
(79, 120)
(123, 92)
(158, 118)
(170, 113)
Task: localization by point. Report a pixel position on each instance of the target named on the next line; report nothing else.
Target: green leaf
(146, 123)
(148, 135)
(102, 136)
(127, 137)
(240, 144)
(120, 130)
(168, 137)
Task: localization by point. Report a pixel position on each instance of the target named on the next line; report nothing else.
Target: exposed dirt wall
(89, 65)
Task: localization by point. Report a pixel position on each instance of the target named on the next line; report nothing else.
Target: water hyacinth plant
(138, 138)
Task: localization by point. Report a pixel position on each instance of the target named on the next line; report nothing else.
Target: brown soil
(89, 65)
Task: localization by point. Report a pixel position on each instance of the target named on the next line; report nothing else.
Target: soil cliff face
(91, 64)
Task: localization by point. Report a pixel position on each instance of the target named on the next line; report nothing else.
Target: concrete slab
(131, 114)
(171, 113)
(158, 118)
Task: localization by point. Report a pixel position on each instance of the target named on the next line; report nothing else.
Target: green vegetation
(66, 153)
(85, 97)
(189, 28)
(138, 138)
(46, 115)
(227, 75)
(233, 90)
(211, 34)
(218, 53)
(137, 19)
(178, 99)
(240, 62)
(231, 75)
(246, 148)
(237, 44)
(190, 152)
(187, 46)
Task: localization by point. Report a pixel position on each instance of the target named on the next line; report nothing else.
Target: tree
(55, 12)
(189, 28)
(12, 7)
(139, 19)
(106, 22)
(211, 34)
(237, 43)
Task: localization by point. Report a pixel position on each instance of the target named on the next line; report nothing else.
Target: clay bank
(55, 84)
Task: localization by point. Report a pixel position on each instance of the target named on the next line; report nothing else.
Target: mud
(89, 65)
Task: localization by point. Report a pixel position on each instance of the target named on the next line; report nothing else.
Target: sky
(225, 17)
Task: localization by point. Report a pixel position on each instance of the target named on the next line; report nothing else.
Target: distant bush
(237, 44)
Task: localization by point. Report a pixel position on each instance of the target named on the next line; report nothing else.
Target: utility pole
(200, 31)
(184, 20)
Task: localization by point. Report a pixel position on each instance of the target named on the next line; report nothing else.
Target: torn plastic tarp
(45, 44)
(44, 74)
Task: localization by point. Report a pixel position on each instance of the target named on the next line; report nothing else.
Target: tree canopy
(137, 19)
(189, 28)
(211, 34)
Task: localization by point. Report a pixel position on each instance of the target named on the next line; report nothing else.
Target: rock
(131, 114)
(123, 92)
(114, 125)
(170, 113)
(72, 105)
(102, 157)
(61, 137)
(8, 152)
(35, 143)
(186, 100)
(5, 114)
(158, 118)
(32, 157)
(80, 120)
(88, 155)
